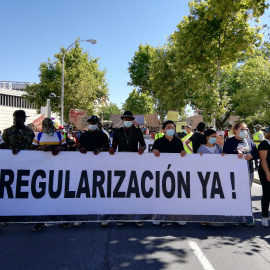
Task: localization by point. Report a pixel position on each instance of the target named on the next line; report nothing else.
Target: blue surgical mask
(212, 140)
(170, 132)
(128, 124)
(242, 134)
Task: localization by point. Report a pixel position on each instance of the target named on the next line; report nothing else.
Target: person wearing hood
(49, 141)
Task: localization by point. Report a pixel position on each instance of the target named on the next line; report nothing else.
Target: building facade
(11, 99)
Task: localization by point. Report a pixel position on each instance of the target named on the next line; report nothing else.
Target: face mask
(127, 124)
(170, 132)
(212, 140)
(92, 127)
(242, 134)
(266, 129)
(183, 130)
(69, 135)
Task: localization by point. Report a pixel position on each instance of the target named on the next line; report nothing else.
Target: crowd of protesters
(237, 140)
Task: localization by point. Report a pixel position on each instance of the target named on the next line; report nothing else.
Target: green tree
(139, 103)
(106, 111)
(85, 84)
(212, 37)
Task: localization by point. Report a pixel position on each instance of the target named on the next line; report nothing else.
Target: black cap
(93, 118)
(20, 114)
(127, 114)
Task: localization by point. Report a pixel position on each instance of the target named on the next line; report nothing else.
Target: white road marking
(201, 257)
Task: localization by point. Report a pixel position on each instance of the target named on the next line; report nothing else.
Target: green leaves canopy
(84, 83)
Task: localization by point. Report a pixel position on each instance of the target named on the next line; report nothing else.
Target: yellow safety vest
(159, 135)
(256, 138)
(185, 147)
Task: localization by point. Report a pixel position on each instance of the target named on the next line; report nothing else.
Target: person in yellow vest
(159, 134)
(189, 134)
(258, 137)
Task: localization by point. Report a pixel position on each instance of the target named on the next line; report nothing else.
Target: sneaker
(250, 223)
(156, 222)
(77, 224)
(265, 222)
(120, 223)
(139, 224)
(182, 223)
(104, 224)
(65, 225)
(3, 224)
(38, 226)
(204, 223)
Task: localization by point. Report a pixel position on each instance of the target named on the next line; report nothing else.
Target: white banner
(35, 185)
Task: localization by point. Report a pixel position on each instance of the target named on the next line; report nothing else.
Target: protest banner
(139, 120)
(173, 115)
(179, 126)
(38, 123)
(82, 122)
(152, 120)
(74, 113)
(36, 186)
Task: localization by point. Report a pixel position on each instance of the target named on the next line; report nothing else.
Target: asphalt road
(169, 246)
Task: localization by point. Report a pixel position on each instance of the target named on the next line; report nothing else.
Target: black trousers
(266, 192)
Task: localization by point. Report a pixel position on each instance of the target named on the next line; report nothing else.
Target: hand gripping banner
(37, 186)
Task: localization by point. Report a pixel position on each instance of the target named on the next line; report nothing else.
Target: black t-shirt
(264, 145)
(128, 139)
(92, 140)
(163, 145)
(197, 140)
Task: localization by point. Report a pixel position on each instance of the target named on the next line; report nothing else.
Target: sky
(33, 31)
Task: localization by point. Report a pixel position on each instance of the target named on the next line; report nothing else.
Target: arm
(187, 142)
(263, 156)
(113, 148)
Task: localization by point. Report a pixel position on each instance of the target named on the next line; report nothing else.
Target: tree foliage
(200, 58)
(106, 111)
(139, 103)
(84, 82)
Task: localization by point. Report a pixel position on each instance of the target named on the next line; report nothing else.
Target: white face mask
(93, 127)
(127, 124)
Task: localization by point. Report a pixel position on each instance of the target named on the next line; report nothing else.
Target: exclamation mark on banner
(233, 185)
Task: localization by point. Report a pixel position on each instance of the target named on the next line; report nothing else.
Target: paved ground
(169, 246)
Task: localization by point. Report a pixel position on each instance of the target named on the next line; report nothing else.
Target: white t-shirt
(49, 140)
(1, 140)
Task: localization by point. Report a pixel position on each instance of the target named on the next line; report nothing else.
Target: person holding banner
(48, 140)
(196, 139)
(127, 139)
(210, 147)
(168, 144)
(93, 139)
(264, 173)
(245, 148)
(209, 143)
(18, 137)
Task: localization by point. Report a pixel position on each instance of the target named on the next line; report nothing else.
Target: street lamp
(92, 41)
